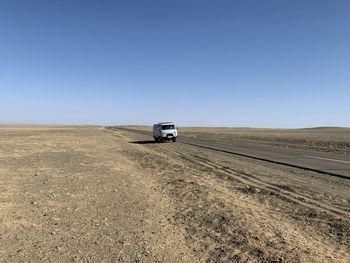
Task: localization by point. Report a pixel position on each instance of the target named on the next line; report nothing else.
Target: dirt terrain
(91, 194)
(328, 139)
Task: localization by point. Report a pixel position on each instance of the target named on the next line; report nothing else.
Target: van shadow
(144, 142)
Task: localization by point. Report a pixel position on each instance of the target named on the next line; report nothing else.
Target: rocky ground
(90, 194)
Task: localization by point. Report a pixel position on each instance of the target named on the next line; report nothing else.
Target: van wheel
(174, 139)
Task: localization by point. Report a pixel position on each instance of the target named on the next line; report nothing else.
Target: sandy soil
(72, 194)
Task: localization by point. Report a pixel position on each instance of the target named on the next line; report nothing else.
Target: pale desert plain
(98, 194)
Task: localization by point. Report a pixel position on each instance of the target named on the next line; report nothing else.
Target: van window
(168, 127)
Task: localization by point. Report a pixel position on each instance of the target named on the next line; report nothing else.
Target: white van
(164, 131)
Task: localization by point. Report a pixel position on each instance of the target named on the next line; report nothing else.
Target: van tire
(174, 139)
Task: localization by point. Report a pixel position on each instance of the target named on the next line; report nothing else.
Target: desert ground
(97, 194)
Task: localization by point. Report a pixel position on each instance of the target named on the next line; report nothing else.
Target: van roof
(167, 123)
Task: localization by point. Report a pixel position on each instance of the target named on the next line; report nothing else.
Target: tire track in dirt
(257, 183)
(227, 220)
(224, 225)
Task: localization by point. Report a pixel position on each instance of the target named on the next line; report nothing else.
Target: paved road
(332, 163)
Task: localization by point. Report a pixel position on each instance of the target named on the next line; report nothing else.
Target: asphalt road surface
(323, 162)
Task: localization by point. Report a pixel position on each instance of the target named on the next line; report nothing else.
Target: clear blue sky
(219, 63)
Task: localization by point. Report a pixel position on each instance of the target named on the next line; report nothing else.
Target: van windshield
(168, 127)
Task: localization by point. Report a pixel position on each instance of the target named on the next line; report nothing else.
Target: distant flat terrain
(327, 139)
(311, 149)
(96, 194)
